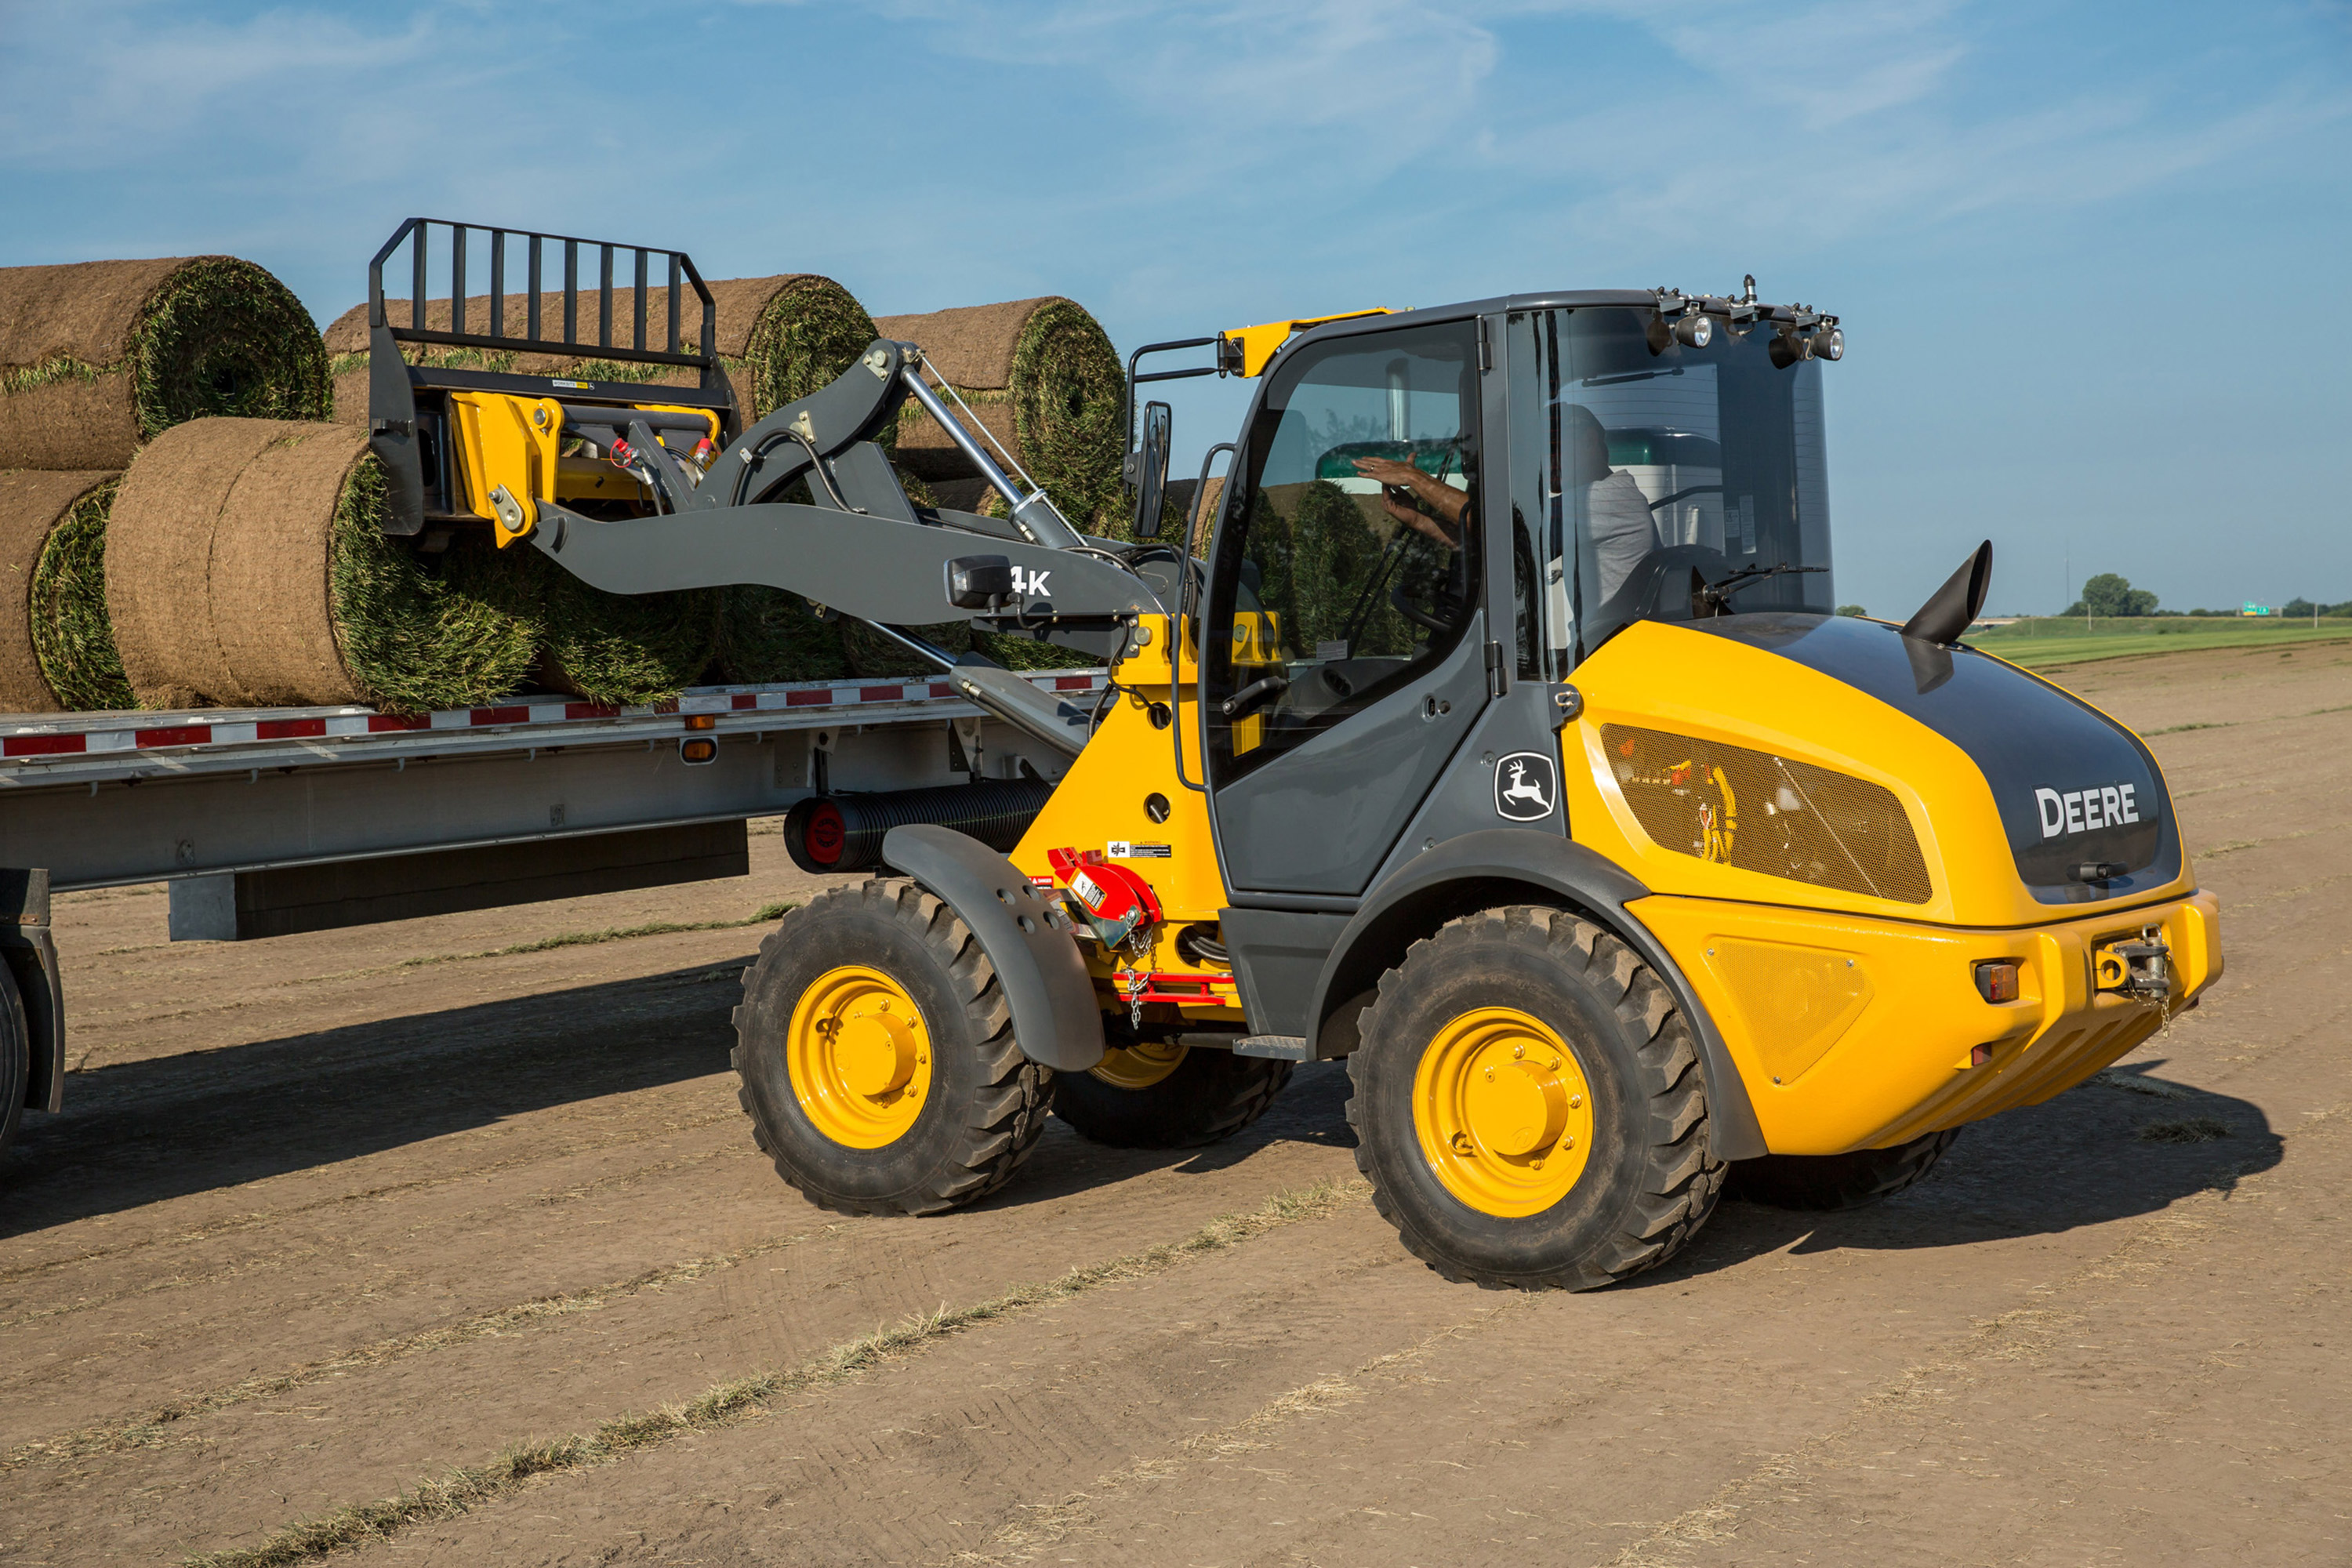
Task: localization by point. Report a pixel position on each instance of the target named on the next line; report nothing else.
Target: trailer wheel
(15, 1058)
(1528, 1105)
(1155, 1096)
(877, 1056)
(1837, 1181)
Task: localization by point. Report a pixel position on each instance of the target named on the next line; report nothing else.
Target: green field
(2044, 641)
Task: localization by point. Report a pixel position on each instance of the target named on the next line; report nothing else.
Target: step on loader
(1502, 743)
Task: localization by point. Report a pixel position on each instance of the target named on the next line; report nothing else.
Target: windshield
(1663, 484)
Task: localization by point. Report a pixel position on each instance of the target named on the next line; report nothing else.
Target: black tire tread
(1824, 1184)
(1684, 1178)
(1225, 1104)
(1001, 1122)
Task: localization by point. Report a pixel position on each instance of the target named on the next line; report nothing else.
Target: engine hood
(2072, 786)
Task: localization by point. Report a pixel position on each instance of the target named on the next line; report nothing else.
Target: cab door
(1344, 649)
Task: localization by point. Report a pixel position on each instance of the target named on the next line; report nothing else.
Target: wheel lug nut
(1575, 1101)
(1517, 1051)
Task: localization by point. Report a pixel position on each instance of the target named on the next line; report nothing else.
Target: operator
(1616, 513)
(1449, 505)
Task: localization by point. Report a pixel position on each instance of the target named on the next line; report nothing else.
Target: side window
(1350, 561)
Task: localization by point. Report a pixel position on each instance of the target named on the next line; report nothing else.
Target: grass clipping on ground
(247, 566)
(460, 1492)
(97, 357)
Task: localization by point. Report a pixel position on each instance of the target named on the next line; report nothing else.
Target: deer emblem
(1518, 796)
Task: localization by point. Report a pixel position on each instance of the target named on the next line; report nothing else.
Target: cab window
(1349, 562)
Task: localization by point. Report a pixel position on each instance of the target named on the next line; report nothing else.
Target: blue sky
(2088, 256)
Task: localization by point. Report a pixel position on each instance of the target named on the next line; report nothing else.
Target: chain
(1139, 980)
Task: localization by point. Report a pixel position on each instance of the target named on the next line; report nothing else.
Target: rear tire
(966, 1107)
(1138, 1099)
(1529, 1107)
(15, 1058)
(1824, 1182)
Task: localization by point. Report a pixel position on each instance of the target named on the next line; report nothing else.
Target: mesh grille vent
(1763, 812)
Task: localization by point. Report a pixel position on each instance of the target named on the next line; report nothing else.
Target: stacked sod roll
(246, 566)
(56, 645)
(780, 338)
(1043, 379)
(97, 357)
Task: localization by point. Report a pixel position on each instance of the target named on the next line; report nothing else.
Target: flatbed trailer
(271, 821)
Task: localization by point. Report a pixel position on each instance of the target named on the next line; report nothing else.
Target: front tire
(1529, 1107)
(1822, 1183)
(1154, 1096)
(875, 1056)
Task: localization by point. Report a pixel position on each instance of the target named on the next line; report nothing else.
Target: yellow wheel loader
(1502, 743)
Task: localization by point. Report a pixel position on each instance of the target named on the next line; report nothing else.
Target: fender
(1500, 865)
(1055, 1020)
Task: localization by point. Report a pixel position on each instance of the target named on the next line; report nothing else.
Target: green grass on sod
(2047, 641)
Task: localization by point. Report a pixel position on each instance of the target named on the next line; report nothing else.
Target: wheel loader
(1490, 730)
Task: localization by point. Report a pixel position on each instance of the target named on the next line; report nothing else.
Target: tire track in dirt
(2023, 1334)
(465, 1489)
(146, 1429)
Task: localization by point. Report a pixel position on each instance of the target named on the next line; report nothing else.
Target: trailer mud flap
(1055, 1020)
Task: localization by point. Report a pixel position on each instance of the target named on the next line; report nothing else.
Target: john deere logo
(1525, 786)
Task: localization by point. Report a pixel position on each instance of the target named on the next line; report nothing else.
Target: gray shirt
(1617, 519)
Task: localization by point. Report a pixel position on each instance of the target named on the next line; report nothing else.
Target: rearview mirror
(1151, 476)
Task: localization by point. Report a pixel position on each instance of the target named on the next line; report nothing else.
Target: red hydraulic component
(1114, 902)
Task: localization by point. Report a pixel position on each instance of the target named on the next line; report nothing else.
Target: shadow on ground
(2100, 1151)
(140, 1132)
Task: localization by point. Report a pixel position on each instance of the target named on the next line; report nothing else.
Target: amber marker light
(696, 750)
(1997, 980)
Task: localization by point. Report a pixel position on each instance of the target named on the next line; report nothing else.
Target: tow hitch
(2141, 970)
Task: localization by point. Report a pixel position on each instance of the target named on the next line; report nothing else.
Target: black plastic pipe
(844, 832)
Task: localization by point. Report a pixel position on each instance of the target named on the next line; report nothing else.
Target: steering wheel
(1417, 616)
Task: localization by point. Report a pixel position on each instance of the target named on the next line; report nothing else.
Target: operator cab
(1430, 506)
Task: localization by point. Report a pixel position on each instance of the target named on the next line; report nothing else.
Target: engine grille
(1762, 813)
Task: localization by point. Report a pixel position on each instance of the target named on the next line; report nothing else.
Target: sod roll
(57, 648)
(1040, 376)
(246, 566)
(766, 635)
(623, 649)
(97, 357)
(780, 338)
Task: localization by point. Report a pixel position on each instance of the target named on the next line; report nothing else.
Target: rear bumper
(1853, 1033)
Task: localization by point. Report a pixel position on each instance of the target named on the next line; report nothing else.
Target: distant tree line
(2110, 595)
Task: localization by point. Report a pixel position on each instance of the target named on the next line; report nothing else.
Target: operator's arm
(1449, 505)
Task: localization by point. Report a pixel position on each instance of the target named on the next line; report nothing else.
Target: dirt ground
(367, 1239)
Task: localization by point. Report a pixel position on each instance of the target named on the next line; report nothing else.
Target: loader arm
(858, 547)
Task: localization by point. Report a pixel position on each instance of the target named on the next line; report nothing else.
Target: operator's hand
(1392, 476)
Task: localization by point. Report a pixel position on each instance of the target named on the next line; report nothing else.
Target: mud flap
(1055, 1020)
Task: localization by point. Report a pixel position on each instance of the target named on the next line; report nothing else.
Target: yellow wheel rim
(1140, 1066)
(1503, 1111)
(860, 1056)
